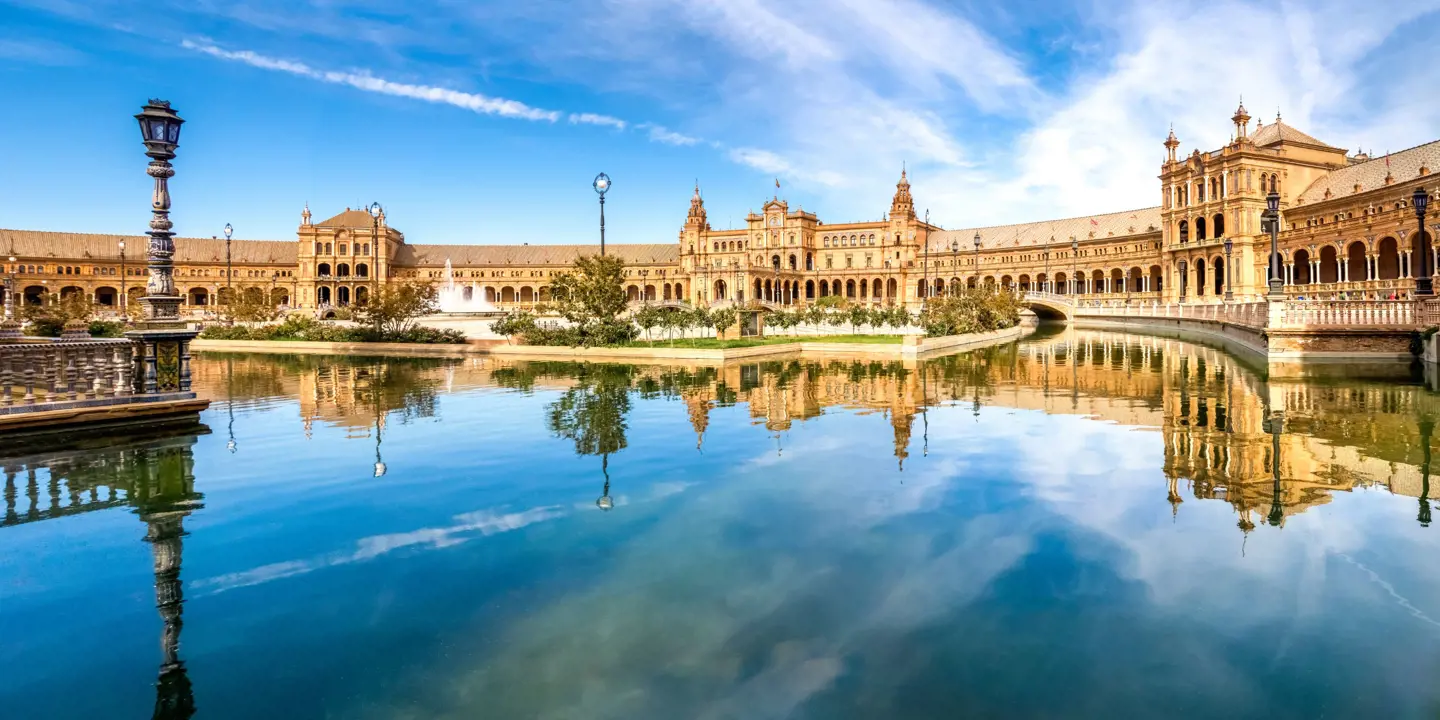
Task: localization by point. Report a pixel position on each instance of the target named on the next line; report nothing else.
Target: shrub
(970, 311)
(304, 328)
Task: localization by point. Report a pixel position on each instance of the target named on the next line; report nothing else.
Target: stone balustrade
(1248, 314)
(57, 374)
(1297, 314)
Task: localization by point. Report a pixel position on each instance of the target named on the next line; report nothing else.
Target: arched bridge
(1049, 306)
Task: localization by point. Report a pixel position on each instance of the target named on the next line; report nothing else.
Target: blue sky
(485, 121)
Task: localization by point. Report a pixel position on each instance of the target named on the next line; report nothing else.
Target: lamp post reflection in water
(1427, 426)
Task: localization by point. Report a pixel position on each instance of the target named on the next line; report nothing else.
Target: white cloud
(593, 119)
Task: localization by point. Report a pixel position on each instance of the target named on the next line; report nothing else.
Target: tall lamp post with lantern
(162, 339)
(124, 297)
(602, 186)
(229, 273)
(1424, 285)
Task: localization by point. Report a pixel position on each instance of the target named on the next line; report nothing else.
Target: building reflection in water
(154, 477)
(1270, 448)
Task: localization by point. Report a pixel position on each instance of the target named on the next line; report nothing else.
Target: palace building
(1347, 228)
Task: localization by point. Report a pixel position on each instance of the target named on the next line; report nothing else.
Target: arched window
(1184, 231)
(323, 270)
(1200, 228)
(362, 270)
(1219, 226)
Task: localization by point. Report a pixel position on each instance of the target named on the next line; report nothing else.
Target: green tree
(647, 317)
(395, 307)
(724, 318)
(591, 296)
(703, 319)
(858, 315)
(251, 307)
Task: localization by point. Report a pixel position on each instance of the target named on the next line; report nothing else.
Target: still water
(1081, 524)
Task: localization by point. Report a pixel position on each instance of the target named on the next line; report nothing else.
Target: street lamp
(9, 301)
(1229, 282)
(1074, 255)
(375, 212)
(602, 186)
(955, 254)
(229, 291)
(1049, 284)
(977, 258)
(1424, 285)
(124, 298)
(1272, 215)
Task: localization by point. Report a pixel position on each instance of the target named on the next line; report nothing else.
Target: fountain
(461, 297)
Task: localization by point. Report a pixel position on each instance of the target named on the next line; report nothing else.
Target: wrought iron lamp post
(229, 273)
(162, 339)
(955, 253)
(1272, 216)
(124, 292)
(977, 259)
(602, 186)
(1074, 260)
(10, 292)
(1229, 267)
(1049, 285)
(375, 212)
(1424, 284)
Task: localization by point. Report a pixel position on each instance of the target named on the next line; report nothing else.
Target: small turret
(696, 217)
(1242, 122)
(903, 206)
(1171, 144)
(305, 216)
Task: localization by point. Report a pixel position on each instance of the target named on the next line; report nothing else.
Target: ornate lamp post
(1074, 260)
(124, 297)
(10, 292)
(602, 186)
(162, 339)
(1272, 216)
(1229, 282)
(977, 259)
(1049, 284)
(1424, 286)
(229, 291)
(375, 212)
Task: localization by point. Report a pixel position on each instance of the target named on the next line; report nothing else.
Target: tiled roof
(78, 246)
(1404, 165)
(1278, 132)
(1126, 222)
(469, 255)
(349, 219)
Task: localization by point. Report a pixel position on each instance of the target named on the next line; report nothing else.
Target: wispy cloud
(669, 137)
(594, 119)
(483, 104)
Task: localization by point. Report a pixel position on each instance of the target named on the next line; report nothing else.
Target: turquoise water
(1081, 525)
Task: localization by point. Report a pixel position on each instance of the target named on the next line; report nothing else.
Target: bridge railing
(1248, 314)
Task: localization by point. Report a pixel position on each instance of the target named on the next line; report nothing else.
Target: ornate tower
(903, 206)
(1171, 143)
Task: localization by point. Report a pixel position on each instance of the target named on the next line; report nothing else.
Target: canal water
(1082, 524)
